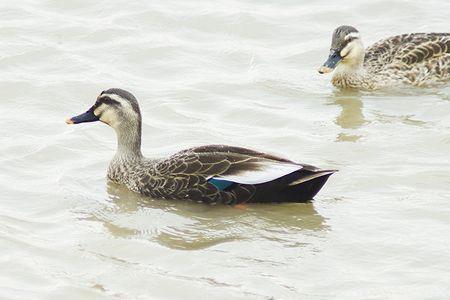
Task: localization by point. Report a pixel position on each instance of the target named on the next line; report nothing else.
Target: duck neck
(349, 74)
(350, 68)
(129, 141)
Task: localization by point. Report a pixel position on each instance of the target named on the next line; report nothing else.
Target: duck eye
(108, 101)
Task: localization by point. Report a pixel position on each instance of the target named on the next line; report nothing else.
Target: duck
(417, 59)
(212, 174)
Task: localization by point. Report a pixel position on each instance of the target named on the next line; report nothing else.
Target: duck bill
(88, 116)
(331, 63)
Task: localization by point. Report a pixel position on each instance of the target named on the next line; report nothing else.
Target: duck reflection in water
(193, 226)
(351, 116)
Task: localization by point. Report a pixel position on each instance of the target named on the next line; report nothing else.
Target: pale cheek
(344, 52)
(108, 118)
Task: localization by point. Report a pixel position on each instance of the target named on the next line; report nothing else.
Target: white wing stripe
(265, 172)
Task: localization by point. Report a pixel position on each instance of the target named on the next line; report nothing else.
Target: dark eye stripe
(110, 101)
(344, 44)
(351, 39)
(106, 100)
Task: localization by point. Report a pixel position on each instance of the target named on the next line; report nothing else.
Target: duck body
(211, 174)
(418, 59)
(219, 174)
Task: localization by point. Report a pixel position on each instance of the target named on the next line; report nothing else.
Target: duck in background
(419, 59)
(210, 174)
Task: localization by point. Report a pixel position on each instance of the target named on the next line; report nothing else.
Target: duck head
(346, 51)
(113, 107)
(120, 110)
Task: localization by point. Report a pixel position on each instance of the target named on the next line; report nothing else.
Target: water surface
(232, 72)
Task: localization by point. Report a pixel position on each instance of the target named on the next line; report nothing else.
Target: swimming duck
(419, 59)
(211, 174)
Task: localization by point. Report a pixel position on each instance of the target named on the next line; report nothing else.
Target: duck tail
(306, 187)
(299, 186)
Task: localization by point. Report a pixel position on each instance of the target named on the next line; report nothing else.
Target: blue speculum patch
(220, 184)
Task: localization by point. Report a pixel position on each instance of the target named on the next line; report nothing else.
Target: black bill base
(331, 63)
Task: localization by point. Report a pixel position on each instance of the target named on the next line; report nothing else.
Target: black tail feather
(282, 189)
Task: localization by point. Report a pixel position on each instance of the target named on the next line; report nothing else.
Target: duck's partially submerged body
(220, 174)
(210, 174)
(419, 59)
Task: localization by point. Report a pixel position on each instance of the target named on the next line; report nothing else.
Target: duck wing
(220, 173)
(236, 164)
(407, 50)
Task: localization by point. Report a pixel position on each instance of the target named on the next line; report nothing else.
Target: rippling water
(233, 72)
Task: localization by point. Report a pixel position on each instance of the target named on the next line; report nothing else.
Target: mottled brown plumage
(419, 59)
(210, 174)
(186, 174)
